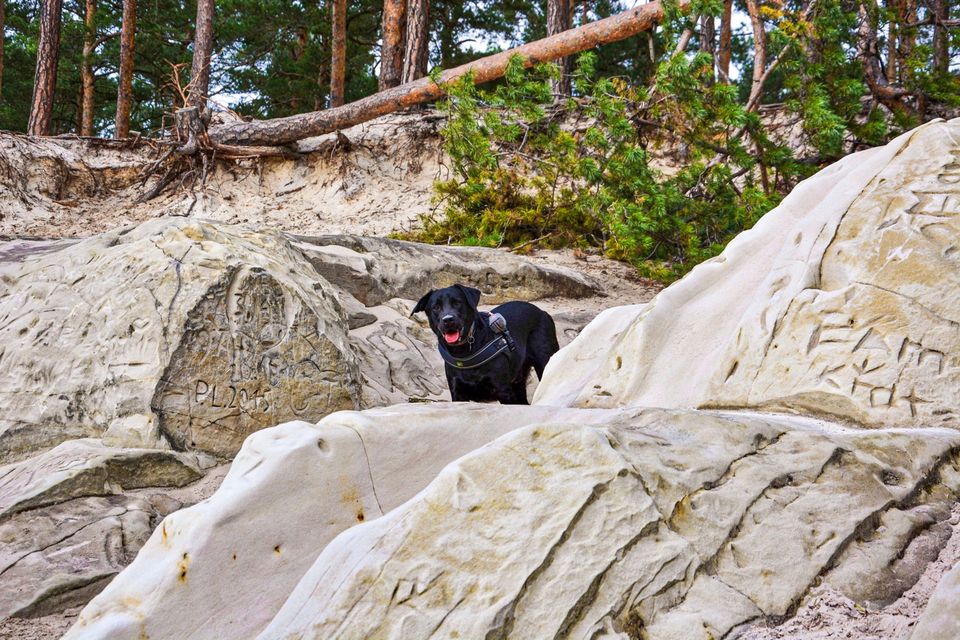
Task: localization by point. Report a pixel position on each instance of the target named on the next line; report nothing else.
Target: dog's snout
(448, 319)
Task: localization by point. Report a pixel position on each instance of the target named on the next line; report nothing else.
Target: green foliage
(595, 170)
(581, 173)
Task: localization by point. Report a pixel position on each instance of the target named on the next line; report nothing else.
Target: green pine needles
(584, 172)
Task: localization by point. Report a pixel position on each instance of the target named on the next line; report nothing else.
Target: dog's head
(451, 312)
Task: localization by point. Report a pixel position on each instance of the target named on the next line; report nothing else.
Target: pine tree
(86, 70)
(125, 87)
(338, 56)
(45, 77)
(202, 54)
(391, 51)
(417, 40)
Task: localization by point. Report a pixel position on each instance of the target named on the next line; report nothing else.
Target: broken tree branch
(286, 130)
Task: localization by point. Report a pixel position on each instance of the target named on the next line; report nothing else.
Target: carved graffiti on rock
(251, 357)
(877, 340)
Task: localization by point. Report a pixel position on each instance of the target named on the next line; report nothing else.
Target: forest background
(558, 155)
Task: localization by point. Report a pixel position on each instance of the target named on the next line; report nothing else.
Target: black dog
(487, 359)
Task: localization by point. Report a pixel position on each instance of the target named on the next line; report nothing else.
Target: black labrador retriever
(488, 356)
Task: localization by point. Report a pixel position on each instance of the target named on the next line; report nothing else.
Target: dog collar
(489, 351)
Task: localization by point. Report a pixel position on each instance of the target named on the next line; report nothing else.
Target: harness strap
(491, 350)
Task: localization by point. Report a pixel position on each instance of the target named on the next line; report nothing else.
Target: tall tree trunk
(725, 49)
(941, 53)
(86, 69)
(418, 40)
(708, 40)
(45, 78)
(299, 49)
(3, 26)
(759, 51)
(907, 40)
(895, 9)
(292, 128)
(558, 21)
(887, 93)
(338, 54)
(391, 53)
(125, 90)
(202, 52)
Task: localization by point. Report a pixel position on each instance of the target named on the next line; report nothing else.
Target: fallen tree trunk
(281, 131)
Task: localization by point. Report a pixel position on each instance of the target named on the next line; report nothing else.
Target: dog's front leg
(452, 385)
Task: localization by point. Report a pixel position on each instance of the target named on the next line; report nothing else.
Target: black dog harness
(501, 342)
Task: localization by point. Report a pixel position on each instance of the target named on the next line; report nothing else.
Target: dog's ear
(423, 304)
(472, 295)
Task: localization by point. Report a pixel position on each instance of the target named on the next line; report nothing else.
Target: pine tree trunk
(125, 88)
(391, 53)
(338, 54)
(45, 78)
(907, 40)
(941, 53)
(708, 40)
(202, 52)
(297, 54)
(418, 40)
(895, 8)
(558, 21)
(86, 70)
(281, 131)
(726, 41)
(887, 93)
(759, 52)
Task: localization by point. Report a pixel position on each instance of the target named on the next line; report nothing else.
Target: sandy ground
(45, 628)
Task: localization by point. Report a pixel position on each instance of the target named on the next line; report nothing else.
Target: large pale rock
(88, 468)
(682, 524)
(941, 617)
(583, 523)
(223, 568)
(374, 270)
(59, 556)
(843, 301)
(202, 333)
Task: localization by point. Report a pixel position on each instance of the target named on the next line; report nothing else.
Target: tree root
(188, 161)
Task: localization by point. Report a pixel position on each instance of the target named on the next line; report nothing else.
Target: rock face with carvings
(183, 332)
(845, 302)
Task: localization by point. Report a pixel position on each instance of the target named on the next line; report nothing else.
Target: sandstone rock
(373, 270)
(60, 556)
(843, 301)
(88, 468)
(290, 490)
(662, 521)
(941, 618)
(191, 332)
(399, 357)
(587, 522)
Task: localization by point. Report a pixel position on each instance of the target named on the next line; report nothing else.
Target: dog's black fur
(453, 311)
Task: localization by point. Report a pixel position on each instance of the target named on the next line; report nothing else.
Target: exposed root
(188, 162)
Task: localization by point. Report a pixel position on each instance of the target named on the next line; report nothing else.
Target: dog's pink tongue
(451, 337)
